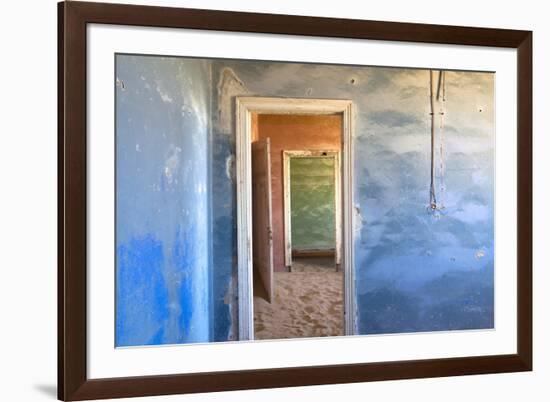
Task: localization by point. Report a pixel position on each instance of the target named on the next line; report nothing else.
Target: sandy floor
(308, 302)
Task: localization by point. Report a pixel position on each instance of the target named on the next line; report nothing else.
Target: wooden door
(262, 241)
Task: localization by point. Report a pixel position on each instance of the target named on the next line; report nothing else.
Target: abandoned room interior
(261, 200)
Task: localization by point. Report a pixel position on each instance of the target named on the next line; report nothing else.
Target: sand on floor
(308, 302)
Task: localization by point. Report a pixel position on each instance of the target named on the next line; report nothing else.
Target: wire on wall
(440, 97)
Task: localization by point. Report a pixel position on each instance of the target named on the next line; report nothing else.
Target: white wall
(28, 199)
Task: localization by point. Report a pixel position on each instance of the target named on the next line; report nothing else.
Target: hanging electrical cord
(436, 201)
(441, 97)
(433, 200)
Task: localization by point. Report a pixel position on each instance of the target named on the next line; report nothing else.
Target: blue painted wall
(163, 275)
(416, 270)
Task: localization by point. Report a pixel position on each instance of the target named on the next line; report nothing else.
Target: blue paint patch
(141, 293)
(182, 255)
(453, 301)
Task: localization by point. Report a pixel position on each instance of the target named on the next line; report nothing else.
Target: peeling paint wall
(416, 270)
(162, 202)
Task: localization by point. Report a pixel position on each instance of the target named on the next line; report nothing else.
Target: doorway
(312, 205)
(255, 242)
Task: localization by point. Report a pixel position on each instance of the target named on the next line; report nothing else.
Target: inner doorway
(312, 205)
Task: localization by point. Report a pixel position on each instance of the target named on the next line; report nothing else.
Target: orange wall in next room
(292, 133)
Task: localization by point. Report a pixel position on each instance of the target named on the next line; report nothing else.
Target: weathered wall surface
(416, 270)
(162, 204)
(312, 203)
(293, 133)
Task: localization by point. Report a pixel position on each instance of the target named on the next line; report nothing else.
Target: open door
(262, 241)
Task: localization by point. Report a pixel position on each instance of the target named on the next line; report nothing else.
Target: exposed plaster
(120, 84)
(231, 300)
(229, 86)
(230, 167)
(357, 221)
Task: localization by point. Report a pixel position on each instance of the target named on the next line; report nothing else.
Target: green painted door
(312, 203)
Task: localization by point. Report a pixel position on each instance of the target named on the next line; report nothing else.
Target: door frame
(327, 154)
(245, 108)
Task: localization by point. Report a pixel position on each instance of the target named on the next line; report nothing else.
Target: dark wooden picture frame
(73, 383)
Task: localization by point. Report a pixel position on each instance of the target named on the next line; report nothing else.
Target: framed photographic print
(253, 200)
